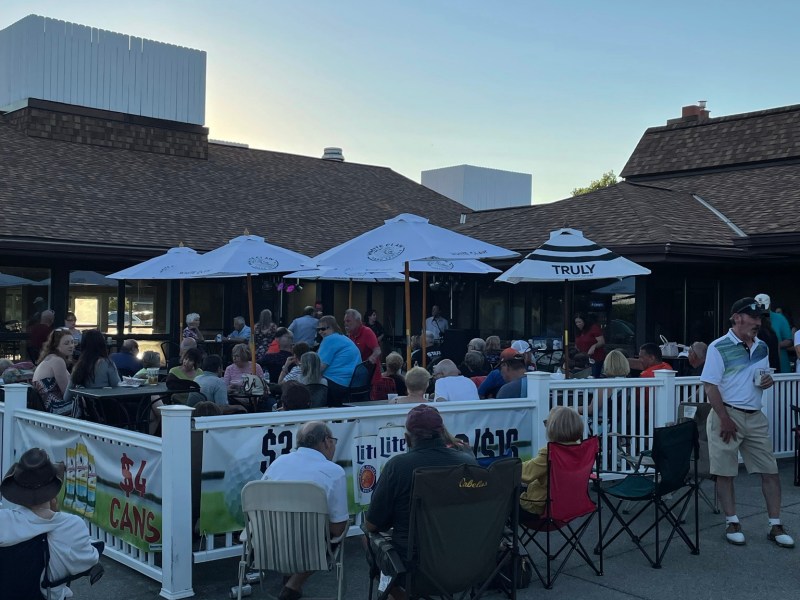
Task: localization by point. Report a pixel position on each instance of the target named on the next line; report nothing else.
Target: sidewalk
(758, 570)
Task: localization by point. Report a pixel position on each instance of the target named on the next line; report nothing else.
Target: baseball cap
(748, 306)
(763, 299)
(424, 420)
(521, 346)
(510, 355)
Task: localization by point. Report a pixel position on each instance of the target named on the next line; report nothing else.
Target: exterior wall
(74, 64)
(113, 130)
(480, 188)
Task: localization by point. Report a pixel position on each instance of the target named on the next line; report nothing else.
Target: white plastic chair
(288, 531)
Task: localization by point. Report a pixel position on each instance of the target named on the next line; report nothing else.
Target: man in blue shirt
(240, 330)
(304, 328)
(125, 359)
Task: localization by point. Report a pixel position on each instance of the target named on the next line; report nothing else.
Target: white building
(480, 188)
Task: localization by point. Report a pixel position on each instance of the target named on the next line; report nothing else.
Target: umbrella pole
(180, 310)
(350, 295)
(252, 323)
(423, 339)
(566, 329)
(408, 317)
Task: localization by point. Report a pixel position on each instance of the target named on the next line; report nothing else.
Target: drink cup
(391, 397)
(219, 337)
(759, 373)
(152, 376)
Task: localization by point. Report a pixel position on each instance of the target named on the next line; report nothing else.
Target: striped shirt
(731, 367)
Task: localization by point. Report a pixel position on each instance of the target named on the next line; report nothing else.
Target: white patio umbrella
(568, 256)
(403, 239)
(349, 275)
(164, 266)
(7, 280)
(248, 255)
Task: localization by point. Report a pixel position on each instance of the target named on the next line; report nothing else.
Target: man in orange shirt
(650, 357)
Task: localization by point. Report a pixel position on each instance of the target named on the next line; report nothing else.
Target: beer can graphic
(81, 478)
(391, 441)
(69, 479)
(91, 486)
(365, 468)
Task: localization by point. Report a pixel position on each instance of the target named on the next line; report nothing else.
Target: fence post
(665, 403)
(539, 390)
(16, 395)
(176, 516)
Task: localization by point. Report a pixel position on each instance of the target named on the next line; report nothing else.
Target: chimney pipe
(334, 154)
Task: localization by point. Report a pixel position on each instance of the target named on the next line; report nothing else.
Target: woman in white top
(51, 378)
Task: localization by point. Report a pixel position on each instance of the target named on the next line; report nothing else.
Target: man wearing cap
(783, 331)
(390, 506)
(513, 369)
(494, 380)
(313, 461)
(33, 484)
(734, 376)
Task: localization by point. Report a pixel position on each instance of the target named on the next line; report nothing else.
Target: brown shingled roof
(748, 138)
(104, 196)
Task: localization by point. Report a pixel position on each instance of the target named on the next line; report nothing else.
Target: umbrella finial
(180, 244)
(246, 231)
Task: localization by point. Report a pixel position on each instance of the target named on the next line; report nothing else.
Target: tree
(607, 179)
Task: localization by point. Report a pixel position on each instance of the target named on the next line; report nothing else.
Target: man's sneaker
(734, 535)
(778, 535)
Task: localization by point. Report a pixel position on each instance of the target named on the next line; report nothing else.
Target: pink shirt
(233, 374)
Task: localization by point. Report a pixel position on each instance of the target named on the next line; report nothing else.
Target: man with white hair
(451, 384)
(697, 358)
(240, 330)
(365, 340)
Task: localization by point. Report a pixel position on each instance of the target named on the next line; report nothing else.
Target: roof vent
(333, 154)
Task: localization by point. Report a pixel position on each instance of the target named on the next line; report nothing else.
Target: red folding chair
(568, 508)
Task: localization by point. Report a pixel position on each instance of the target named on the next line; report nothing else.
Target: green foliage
(607, 179)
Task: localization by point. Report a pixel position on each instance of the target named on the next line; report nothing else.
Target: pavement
(757, 570)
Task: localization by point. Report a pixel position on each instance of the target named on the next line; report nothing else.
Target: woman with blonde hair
(417, 380)
(264, 333)
(564, 426)
(242, 365)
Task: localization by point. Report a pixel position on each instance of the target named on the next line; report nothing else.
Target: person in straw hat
(33, 484)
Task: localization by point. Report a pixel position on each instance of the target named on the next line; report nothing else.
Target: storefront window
(24, 294)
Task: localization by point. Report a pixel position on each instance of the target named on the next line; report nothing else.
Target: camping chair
(360, 382)
(569, 469)
(674, 449)
(458, 519)
(699, 411)
(287, 530)
(22, 565)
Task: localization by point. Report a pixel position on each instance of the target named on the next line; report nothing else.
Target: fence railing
(608, 407)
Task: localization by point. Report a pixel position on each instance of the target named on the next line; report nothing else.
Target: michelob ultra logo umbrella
(568, 256)
(401, 240)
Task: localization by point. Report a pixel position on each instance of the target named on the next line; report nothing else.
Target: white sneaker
(734, 535)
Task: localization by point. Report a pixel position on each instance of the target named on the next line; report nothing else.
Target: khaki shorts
(752, 440)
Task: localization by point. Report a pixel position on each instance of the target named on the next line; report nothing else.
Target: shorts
(752, 440)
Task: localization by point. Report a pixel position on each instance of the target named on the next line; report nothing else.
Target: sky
(561, 89)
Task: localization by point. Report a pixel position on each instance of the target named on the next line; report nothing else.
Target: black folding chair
(360, 382)
(568, 509)
(22, 565)
(458, 521)
(675, 453)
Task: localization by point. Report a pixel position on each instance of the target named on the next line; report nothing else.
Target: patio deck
(759, 569)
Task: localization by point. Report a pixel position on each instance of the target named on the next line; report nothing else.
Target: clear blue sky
(560, 89)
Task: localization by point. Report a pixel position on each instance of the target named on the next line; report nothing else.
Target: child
(564, 425)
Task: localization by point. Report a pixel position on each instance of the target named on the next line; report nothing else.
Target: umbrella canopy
(406, 238)
(165, 266)
(247, 255)
(403, 239)
(334, 274)
(451, 266)
(568, 256)
(86, 278)
(624, 286)
(12, 280)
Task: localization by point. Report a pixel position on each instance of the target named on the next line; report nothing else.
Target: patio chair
(796, 432)
(171, 351)
(319, 394)
(675, 453)
(568, 509)
(360, 383)
(22, 565)
(699, 412)
(458, 521)
(288, 531)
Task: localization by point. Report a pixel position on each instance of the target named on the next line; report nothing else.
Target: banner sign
(116, 487)
(234, 456)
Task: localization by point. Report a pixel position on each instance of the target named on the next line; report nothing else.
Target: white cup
(759, 373)
(392, 396)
